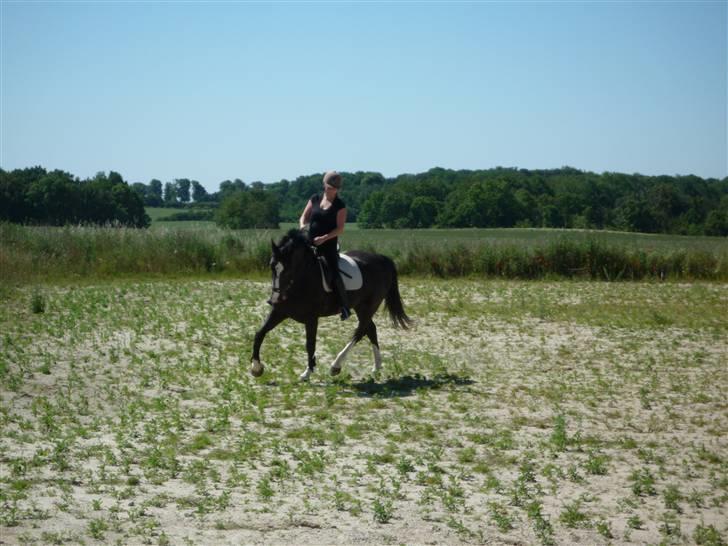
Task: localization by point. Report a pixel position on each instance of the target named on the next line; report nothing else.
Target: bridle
(280, 293)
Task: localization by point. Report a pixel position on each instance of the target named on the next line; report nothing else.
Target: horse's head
(285, 263)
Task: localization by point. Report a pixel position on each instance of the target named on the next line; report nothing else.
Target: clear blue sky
(266, 91)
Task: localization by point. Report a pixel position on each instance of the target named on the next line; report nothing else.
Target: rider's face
(330, 191)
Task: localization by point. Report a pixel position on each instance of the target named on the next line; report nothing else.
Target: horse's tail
(393, 302)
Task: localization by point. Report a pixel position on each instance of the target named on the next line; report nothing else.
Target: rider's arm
(340, 221)
(306, 215)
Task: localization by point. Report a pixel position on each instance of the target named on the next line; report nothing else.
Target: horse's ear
(276, 250)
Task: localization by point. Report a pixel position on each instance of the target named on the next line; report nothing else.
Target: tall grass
(590, 259)
(79, 251)
(30, 253)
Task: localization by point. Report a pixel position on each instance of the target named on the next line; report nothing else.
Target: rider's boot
(342, 296)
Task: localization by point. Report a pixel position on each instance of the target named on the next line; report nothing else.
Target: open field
(514, 413)
(29, 254)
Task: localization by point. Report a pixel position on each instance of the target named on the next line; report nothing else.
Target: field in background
(29, 254)
(513, 412)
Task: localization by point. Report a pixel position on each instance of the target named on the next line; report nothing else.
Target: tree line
(37, 196)
(558, 198)
(499, 197)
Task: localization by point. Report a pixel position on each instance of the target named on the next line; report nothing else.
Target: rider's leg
(332, 258)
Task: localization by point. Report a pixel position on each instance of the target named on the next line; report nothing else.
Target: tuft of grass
(596, 464)
(572, 516)
(643, 482)
(558, 437)
(37, 302)
(500, 516)
(672, 498)
(604, 528)
(707, 535)
(383, 510)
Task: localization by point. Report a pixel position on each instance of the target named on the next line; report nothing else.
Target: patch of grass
(672, 498)
(383, 510)
(500, 516)
(97, 528)
(643, 482)
(573, 517)
(597, 463)
(604, 528)
(558, 437)
(707, 535)
(37, 302)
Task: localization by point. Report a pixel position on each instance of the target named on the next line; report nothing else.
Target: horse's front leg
(273, 320)
(311, 330)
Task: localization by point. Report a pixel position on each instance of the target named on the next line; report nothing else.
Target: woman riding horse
(326, 215)
(298, 293)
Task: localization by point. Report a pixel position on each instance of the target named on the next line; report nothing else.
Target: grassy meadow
(29, 254)
(514, 412)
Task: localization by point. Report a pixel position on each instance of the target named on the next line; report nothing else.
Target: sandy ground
(512, 413)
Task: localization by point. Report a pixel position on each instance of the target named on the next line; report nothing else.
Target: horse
(298, 294)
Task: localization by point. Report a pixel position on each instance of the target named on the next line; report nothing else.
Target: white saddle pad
(350, 274)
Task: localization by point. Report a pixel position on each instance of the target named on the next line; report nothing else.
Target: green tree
(170, 194)
(182, 185)
(154, 194)
(423, 212)
(199, 193)
(370, 217)
(255, 208)
(717, 221)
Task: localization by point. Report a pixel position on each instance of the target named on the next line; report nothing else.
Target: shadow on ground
(407, 385)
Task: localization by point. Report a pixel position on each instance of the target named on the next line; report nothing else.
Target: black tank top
(323, 221)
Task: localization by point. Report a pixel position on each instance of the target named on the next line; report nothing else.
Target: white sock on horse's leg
(377, 358)
(306, 374)
(336, 365)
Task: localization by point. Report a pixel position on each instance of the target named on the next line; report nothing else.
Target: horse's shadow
(406, 385)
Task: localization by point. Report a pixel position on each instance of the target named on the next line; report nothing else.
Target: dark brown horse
(298, 294)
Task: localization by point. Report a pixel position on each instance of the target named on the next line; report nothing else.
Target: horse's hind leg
(361, 331)
(372, 335)
(336, 364)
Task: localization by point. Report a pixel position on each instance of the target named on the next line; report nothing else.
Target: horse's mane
(294, 237)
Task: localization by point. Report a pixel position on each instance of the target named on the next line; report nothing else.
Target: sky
(264, 91)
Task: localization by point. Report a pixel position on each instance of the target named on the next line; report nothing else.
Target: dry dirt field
(512, 413)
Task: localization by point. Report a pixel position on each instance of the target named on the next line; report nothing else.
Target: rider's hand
(319, 240)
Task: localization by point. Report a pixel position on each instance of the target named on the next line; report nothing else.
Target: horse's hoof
(256, 368)
(305, 375)
(335, 370)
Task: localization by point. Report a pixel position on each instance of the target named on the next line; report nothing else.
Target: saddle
(350, 273)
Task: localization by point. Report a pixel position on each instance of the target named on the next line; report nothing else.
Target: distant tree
(490, 203)
(154, 194)
(394, 210)
(634, 214)
(182, 185)
(227, 188)
(370, 217)
(423, 212)
(55, 199)
(115, 178)
(199, 193)
(253, 208)
(141, 190)
(717, 221)
(170, 194)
